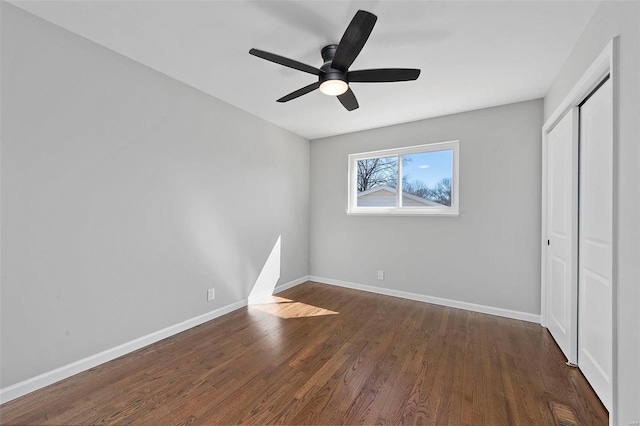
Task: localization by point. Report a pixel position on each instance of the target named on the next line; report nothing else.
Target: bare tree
(377, 172)
(440, 192)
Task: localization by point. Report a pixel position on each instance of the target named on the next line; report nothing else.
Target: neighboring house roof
(383, 191)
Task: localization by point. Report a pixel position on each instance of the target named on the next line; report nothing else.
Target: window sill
(403, 212)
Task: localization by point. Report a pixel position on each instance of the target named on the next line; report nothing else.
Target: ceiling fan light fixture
(334, 75)
(334, 87)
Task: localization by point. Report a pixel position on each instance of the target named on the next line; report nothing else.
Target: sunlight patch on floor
(287, 308)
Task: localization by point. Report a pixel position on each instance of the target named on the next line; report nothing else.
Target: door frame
(604, 64)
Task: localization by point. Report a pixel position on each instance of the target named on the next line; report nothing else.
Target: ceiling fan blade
(285, 61)
(348, 100)
(353, 40)
(300, 92)
(383, 75)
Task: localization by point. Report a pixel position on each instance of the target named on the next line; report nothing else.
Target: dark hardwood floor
(318, 354)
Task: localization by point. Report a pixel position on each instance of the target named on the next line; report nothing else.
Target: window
(417, 180)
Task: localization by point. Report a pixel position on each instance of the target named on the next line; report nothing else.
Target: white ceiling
(472, 54)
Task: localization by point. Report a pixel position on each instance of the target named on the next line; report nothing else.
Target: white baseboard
(507, 313)
(19, 389)
(45, 379)
(257, 297)
(291, 284)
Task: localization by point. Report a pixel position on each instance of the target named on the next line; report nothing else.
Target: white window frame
(453, 210)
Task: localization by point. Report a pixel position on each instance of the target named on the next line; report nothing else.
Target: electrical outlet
(381, 275)
(211, 294)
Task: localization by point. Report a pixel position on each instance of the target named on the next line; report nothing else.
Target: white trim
(45, 379)
(290, 284)
(589, 80)
(415, 149)
(440, 210)
(501, 312)
(406, 211)
(253, 298)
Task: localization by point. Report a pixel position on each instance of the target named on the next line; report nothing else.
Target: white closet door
(595, 242)
(561, 257)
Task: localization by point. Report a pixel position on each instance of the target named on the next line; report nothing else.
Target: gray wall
(125, 195)
(489, 255)
(623, 19)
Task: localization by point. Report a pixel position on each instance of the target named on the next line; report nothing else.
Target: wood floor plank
(318, 354)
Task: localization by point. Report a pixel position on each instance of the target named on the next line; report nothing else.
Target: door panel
(561, 278)
(595, 242)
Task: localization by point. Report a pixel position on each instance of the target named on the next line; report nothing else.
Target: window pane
(425, 176)
(378, 182)
(427, 179)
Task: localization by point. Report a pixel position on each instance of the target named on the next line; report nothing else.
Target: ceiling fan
(334, 75)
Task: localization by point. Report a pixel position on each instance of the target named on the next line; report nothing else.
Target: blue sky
(428, 167)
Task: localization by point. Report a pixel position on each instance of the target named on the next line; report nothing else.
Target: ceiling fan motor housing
(330, 73)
